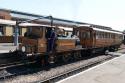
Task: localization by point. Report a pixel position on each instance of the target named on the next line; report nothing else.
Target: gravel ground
(41, 75)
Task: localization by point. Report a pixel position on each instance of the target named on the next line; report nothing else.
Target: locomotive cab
(36, 40)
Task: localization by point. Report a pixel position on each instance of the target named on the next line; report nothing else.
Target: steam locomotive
(67, 43)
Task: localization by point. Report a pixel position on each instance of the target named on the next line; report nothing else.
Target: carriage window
(101, 35)
(34, 32)
(85, 35)
(2, 17)
(105, 35)
(88, 34)
(97, 35)
(29, 29)
(109, 35)
(1, 30)
(120, 37)
(77, 33)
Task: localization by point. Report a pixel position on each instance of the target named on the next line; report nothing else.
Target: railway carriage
(97, 40)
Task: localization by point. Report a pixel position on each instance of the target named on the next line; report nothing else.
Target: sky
(109, 13)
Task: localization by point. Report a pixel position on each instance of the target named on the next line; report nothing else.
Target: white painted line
(71, 77)
(4, 51)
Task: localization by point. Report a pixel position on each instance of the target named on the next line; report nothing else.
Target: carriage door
(85, 37)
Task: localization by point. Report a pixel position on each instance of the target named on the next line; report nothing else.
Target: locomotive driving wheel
(51, 59)
(77, 55)
(66, 57)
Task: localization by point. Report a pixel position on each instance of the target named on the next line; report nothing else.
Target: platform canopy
(32, 24)
(7, 22)
(13, 23)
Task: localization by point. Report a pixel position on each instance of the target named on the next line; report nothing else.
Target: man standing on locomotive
(51, 37)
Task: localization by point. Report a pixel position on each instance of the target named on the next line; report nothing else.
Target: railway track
(55, 74)
(63, 75)
(5, 72)
(15, 64)
(49, 76)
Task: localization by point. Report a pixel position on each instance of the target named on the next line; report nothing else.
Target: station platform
(112, 71)
(7, 47)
